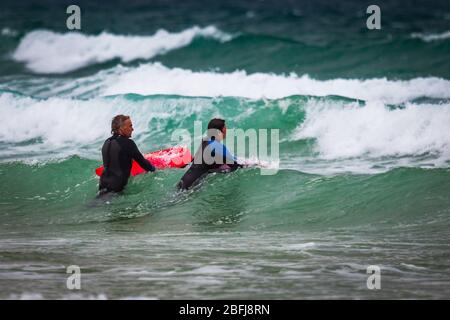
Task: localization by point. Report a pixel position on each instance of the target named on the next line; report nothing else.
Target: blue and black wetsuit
(118, 153)
(212, 156)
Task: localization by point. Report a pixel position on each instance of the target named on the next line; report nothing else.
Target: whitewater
(363, 175)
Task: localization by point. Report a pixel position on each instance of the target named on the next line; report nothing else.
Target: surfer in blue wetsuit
(118, 152)
(212, 156)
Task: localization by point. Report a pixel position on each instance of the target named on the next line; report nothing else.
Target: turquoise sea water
(363, 173)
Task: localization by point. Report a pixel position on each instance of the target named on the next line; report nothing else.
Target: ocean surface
(364, 151)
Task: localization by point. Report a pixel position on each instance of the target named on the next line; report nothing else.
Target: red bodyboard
(175, 157)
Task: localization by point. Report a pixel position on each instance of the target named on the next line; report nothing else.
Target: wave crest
(432, 36)
(45, 51)
(162, 80)
(374, 130)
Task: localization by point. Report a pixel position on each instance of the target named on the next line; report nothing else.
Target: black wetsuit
(118, 153)
(215, 159)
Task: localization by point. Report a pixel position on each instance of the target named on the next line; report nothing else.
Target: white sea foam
(26, 296)
(59, 127)
(348, 130)
(412, 267)
(432, 36)
(69, 126)
(299, 246)
(45, 51)
(8, 32)
(155, 78)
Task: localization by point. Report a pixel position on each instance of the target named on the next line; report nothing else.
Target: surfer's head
(122, 125)
(217, 129)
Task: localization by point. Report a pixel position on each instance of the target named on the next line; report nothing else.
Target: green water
(314, 240)
(362, 177)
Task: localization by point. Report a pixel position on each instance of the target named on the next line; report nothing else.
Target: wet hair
(214, 125)
(117, 123)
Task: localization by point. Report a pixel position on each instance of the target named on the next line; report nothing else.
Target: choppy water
(364, 168)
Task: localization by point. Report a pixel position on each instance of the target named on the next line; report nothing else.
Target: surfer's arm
(228, 158)
(139, 158)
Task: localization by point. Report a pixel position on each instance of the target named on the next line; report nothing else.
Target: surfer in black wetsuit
(118, 151)
(212, 156)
